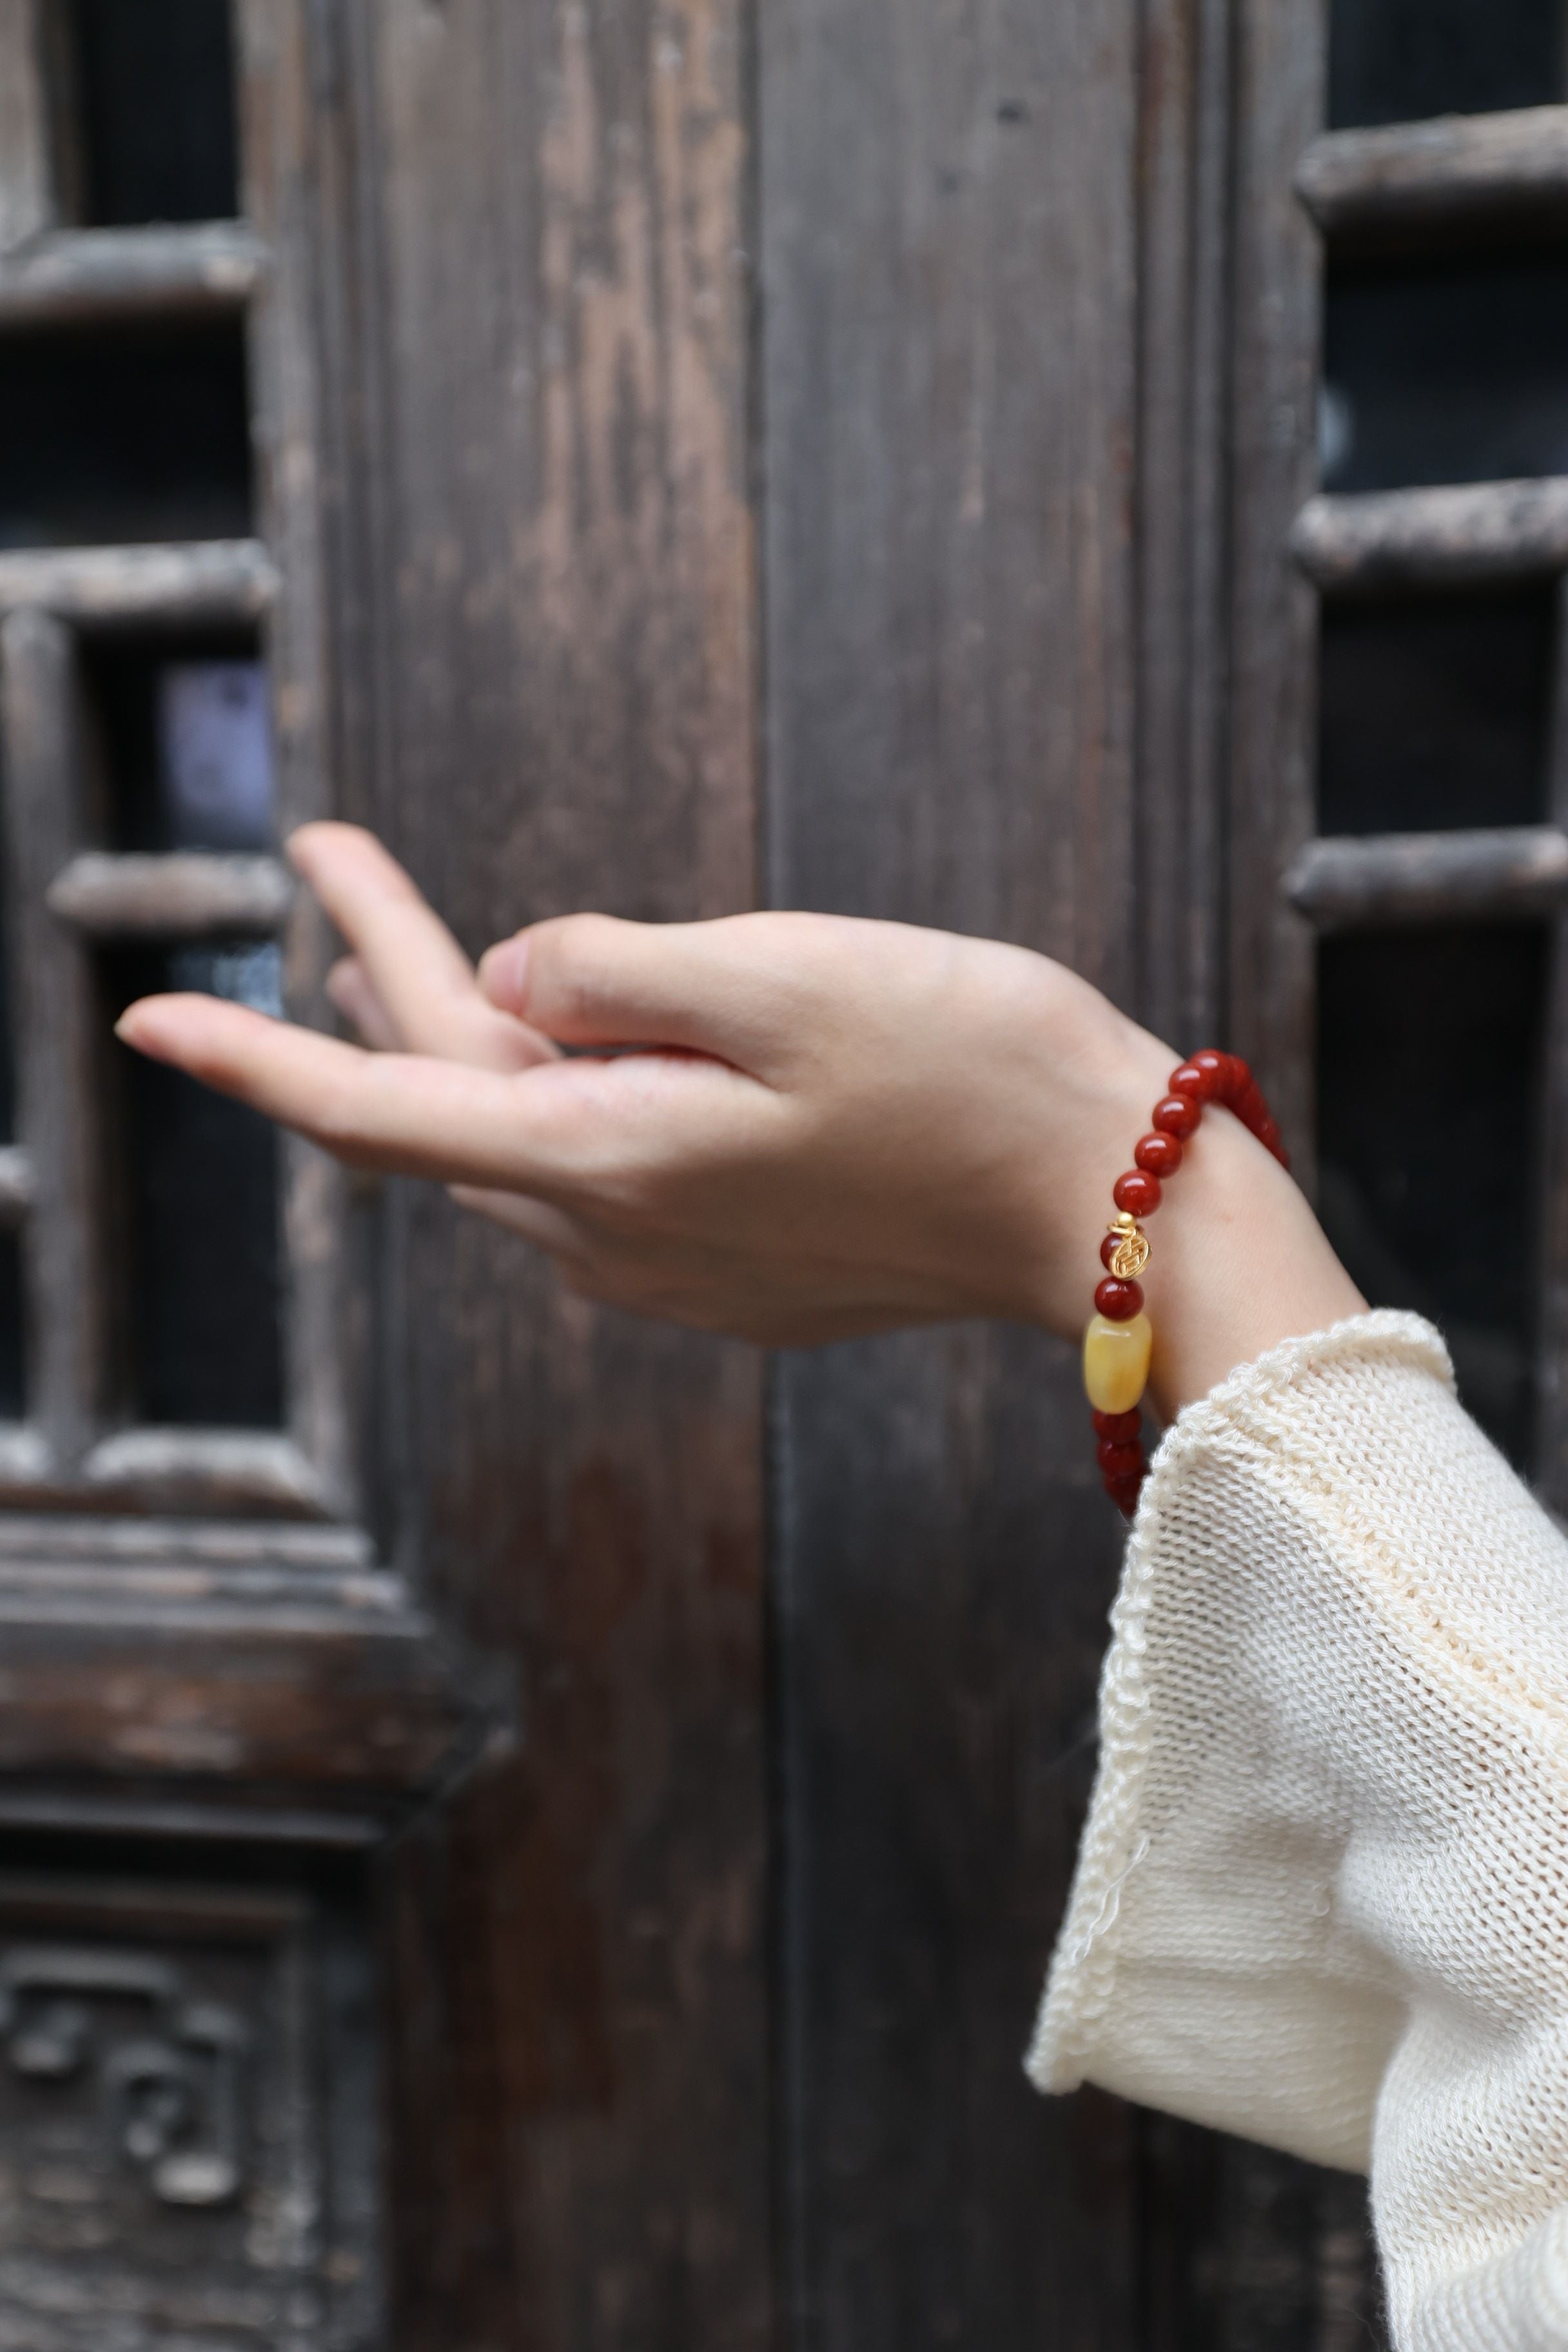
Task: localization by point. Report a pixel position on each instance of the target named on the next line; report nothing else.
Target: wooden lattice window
(173, 1338)
(1405, 694)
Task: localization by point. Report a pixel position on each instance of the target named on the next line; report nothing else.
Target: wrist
(1240, 1263)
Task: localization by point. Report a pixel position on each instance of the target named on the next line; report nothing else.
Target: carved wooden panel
(165, 2126)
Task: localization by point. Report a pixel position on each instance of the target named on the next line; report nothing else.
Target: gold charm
(1132, 1254)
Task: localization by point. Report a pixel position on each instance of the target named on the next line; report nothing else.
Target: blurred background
(519, 1829)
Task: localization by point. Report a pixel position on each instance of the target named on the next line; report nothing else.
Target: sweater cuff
(1198, 1968)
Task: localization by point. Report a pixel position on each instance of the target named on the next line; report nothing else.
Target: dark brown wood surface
(544, 594)
(835, 452)
(948, 247)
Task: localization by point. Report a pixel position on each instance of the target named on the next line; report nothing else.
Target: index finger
(417, 972)
(406, 1114)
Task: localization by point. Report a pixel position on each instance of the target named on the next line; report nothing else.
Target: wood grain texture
(949, 236)
(1238, 2248)
(1281, 63)
(1184, 95)
(1458, 173)
(292, 1685)
(543, 611)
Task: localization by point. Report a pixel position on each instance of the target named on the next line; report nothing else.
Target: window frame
(73, 1451)
(1300, 190)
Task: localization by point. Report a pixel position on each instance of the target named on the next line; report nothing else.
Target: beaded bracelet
(1120, 1339)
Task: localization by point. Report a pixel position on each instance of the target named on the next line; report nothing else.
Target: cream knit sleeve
(1322, 1895)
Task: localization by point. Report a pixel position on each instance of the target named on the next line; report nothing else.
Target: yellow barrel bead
(1116, 1363)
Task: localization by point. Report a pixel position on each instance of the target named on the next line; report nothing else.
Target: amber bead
(1179, 1116)
(1120, 1461)
(1116, 1363)
(1120, 1427)
(1118, 1301)
(1137, 1192)
(1199, 1086)
(1158, 1155)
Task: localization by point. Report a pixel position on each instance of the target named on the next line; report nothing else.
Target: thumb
(593, 979)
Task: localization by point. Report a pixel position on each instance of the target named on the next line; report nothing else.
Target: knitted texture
(1323, 1895)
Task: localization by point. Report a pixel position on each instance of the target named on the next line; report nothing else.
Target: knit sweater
(1322, 1895)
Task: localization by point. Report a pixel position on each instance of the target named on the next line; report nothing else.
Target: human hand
(793, 1128)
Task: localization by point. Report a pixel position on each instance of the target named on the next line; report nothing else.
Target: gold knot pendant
(1132, 1254)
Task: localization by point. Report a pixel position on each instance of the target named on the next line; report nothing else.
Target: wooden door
(518, 1828)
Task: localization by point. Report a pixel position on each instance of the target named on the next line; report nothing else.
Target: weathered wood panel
(1184, 96)
(1281, 74)
(175, 2168)
(948, 240)
(300, 1682)
(543, 594)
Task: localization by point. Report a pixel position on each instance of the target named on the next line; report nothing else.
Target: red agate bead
(1138, 1194)
(1118, 1426)
(1199, 1086)
(1178, 1115)
(1219, 1071)
(1158, 1155)
(1209, 1077)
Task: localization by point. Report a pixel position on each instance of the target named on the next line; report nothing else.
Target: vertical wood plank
(281, 195)
(26, 193)
(948, 239)
(540, 555)
(60, 1074)
(1243, 2248)
(1281, 77)
(1185, 147)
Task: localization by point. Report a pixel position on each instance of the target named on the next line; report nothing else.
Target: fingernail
(503, 972)
(138, 1027)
